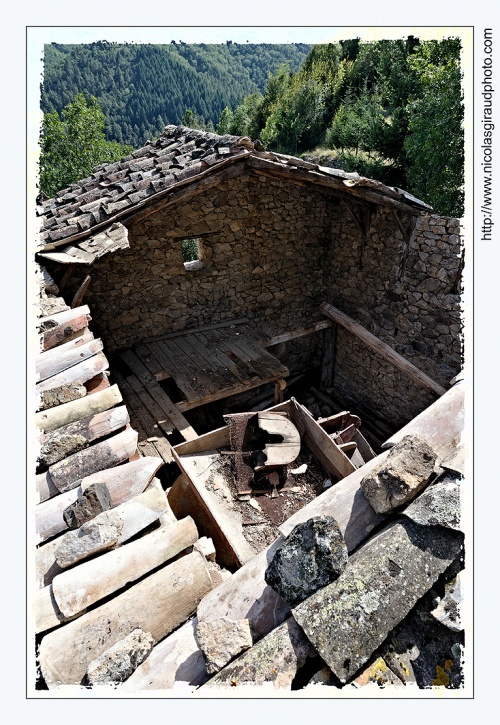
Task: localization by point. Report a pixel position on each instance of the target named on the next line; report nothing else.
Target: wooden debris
(77, 299)
(282, 453)
(123, 482)
(111, 528)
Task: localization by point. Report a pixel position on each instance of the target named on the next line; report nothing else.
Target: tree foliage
(434, 144)
(141, 88)
(73, 145)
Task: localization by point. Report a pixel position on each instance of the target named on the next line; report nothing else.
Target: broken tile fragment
(347, 620)
(93, 501)
(118, 662)
(448, 610)
(401, 476)
(275, 659)
(313, 555)
(438, 505)
(223, 639)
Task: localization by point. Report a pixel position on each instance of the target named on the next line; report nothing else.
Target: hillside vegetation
(391, 110)
(141, 88)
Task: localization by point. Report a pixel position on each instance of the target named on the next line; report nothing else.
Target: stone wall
(273, 251)
(262, 258)
(408, 296)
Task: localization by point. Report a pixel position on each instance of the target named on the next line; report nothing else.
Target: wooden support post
(77, 299)
(279, 387)
(382, 349)
(64, 279)
(329, 349)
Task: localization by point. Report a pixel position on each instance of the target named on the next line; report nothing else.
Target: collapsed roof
(87, 219)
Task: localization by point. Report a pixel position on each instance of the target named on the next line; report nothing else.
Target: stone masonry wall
(263, 259)
(409, 298)
(272, 251)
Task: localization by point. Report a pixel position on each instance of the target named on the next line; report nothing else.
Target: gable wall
(264, 261)
(276, 251)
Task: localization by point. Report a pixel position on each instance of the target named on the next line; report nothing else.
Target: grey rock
(60, 446)
(324, 677)
(313, 555)
(423, 652)
(93, 501)
(223, 639)
(275, 659)
(401, 476)
(90, 538)
(448, 610)
(347, 620)
(118, 662)
(438, 505)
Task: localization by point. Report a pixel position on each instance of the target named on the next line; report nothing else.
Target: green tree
(435, 141)
(73, 145)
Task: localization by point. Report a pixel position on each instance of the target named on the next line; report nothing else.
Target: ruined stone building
(299, 274)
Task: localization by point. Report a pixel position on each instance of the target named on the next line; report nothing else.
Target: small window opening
(191, 254)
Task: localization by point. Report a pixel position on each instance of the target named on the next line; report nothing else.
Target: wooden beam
(203, 328)
(329, 350)
(312, 178)
(300, 332)
(384, 350)
(77, 299)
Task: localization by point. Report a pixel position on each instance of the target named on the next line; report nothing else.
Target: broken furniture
(202, 461)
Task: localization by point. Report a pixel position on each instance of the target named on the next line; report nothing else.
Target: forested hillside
(391, 110)
(141, 88)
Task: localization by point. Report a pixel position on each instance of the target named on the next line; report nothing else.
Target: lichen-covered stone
(118, 662)
(93, 501)
(425, 653)
(90, 538)
(60, 446)
(62, 394)
(347, 620)
(313, 555)
(438, 505)
(401, 476)
(223, 639)
(274, 660)
(378, 673)
(448, 610)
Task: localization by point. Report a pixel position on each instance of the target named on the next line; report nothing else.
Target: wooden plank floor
(207, 364)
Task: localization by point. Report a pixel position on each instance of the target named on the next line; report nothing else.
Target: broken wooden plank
(320, 444)
(78, 588)
(293, 334)
(139, 369)
(158, 604)
(152, 362)
(123, 482)
(59, 358)
(286, 451)
(68, 473)
(141, 400)
(374, 343)
(79, 373)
